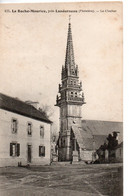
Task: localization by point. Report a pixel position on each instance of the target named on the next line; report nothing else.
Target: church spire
(70, 100)
(69, 58)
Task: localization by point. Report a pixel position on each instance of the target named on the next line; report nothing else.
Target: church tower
(69, 100)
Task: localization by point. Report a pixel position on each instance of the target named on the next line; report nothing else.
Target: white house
(25, 133)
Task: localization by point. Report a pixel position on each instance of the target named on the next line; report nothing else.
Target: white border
(125, 75)
(126, 94)
(47, 1)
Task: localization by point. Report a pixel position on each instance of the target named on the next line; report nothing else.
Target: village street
(63, 180)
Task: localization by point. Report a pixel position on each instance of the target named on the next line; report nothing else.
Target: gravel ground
(69, 180)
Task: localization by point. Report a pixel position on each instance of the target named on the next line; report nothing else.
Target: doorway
(29, 153)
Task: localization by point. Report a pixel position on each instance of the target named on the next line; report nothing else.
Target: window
(41, 151)
(29, 128)
(42, 131)
(71, 94)
(14, 125)
(74, 82)
(14, 149)
(72, 71)
(71, 82)
(75, 94)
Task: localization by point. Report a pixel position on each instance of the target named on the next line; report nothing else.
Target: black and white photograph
(61, 99)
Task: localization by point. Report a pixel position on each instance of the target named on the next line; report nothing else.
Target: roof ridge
(16, 98)
(84, 120)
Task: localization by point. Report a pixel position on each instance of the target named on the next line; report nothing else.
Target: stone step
(78, 163)
(63, 163)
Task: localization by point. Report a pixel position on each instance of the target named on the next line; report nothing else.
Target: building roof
(86, 141)
(98, 127)
(17, 106)
(94, 133)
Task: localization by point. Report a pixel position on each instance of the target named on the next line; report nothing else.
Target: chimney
(33, 103)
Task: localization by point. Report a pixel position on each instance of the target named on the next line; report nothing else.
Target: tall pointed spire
(70, 99)
(69, 58)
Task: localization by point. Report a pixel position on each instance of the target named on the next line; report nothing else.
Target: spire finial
(69, 18)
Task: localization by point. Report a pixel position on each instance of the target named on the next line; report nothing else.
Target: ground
(62, 180)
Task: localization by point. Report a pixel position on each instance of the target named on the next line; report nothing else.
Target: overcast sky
(33, 45)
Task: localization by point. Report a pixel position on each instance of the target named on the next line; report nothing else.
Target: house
(24, 133)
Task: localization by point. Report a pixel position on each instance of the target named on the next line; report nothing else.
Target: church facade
(70, 101)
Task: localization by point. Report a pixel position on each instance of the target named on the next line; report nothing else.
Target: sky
(33, 46)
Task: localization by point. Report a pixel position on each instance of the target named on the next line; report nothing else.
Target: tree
(54, 138)
(109, 146)
(54, 133)
(46, 110)
(112, 141)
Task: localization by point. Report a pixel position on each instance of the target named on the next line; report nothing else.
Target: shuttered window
(42, 151)
(18, 150)
(14, 149)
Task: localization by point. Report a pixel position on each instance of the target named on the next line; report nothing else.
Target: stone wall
(22, 137)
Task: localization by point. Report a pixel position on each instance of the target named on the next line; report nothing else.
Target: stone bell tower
(69, 100)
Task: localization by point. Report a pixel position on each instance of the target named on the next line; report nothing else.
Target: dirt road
(70, 180)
